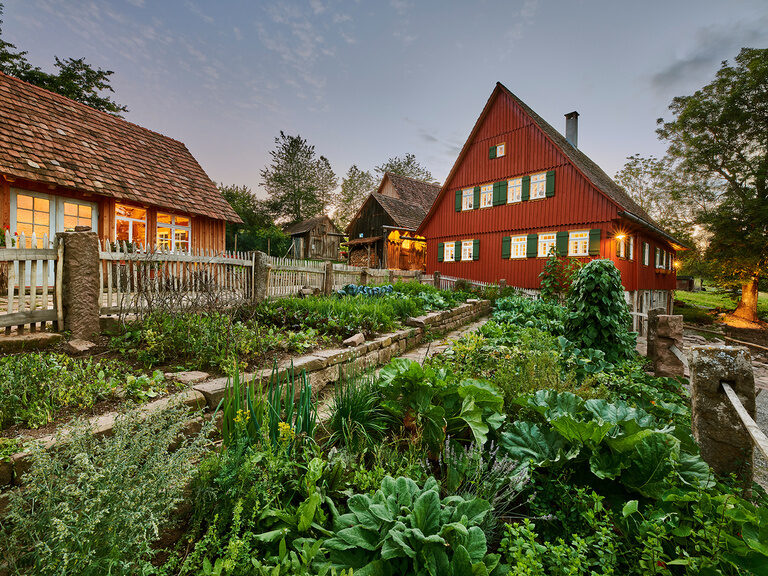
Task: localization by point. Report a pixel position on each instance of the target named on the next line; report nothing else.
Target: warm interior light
(620, 237)
(677, 264)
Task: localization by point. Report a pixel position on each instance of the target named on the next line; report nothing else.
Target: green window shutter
(492, 152)
(594, 241)
(475, 249)
(561, 243)
(440, 251)
(476, 198)
(457, 251)
(458, 200)
(526, 195)
(550, 184)
(503, 192)
(506, 251)
(532, 249)
(495, 193)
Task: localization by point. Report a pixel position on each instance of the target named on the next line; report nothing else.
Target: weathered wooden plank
(13, 254)
(26, 317)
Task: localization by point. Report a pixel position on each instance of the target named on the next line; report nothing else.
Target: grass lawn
(712, 299)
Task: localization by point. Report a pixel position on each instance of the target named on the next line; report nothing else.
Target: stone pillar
(364, 277)
(328, 278)
(650, 337)
(418, 277)
(261, 269)
(669, 333)
(725, 444)
(391, 277)
(80, 282)
(436, 279)
(502, 284)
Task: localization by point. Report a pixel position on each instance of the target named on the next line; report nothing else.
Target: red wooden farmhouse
(520, 189)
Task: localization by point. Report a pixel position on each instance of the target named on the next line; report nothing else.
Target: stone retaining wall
(322, 367)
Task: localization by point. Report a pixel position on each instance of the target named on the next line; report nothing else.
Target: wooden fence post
(436, 279)
(81, 289)
(260, 276)
(328, 278)
(724, 442)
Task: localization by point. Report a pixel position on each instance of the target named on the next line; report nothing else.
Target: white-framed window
(449, 252)
(173, 232)
(466, 250)
(578, 243)
(546, 243)
(467, 197)
(518, 246)
(130, 224)
(646, 254)
(514, 190)
(486, 196)
(501, 149)
(621, 248)
(77, 214)
(631, 248)
(33, 216)
(539, 186)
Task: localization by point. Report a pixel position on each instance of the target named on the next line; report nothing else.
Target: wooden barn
(64, 164)
(383, 232)
(317, 238)
(519, 189)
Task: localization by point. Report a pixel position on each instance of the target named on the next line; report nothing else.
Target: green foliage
(95, 505)
(540, 314)
(404, 529)
(355, 290)
(283, 414)
(35, 386)
(355, 187)
(614, 440)
(557, 276)
(357, 421)
(598, 316)
(257, 231)
(716, 300)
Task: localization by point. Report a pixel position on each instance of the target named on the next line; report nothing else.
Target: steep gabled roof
(306, 225)
(578, 159)
(52, 139)
(412, 190)
(405, 214)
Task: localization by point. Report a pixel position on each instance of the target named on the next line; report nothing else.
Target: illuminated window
(76, 214)
(578, 243)
(33, 215)
(467, 197)
(539, 186)
(631, 248)
(466, 250)
(546, 243)
(518, 246)
(515, 190)
(173, 232)
(500, 150)
(449, 253)
(646, 254)
(486, 196)
(130, 224)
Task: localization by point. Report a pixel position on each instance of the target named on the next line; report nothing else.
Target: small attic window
(501, 149)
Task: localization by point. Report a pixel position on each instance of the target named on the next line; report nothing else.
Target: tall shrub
(598, 316)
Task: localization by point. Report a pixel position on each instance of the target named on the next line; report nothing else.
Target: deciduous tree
(258, 231)
(720, 132)
(355, 187)
(405, 166)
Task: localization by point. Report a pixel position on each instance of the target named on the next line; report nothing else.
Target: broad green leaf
(629, 508)
(461, 563)
(426, 512)
(694, 471)
(606, 464)
(360, 537)
(526, 441)
(589, 433)
(473, 416)
(485, 393)
(476, 544)
(650, 465)
(306, 511)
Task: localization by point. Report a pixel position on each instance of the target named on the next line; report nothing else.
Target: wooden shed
(64, 164)
(519, 189)
(383, 232)
(317, 238)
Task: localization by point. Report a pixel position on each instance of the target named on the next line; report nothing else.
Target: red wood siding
(576, 205)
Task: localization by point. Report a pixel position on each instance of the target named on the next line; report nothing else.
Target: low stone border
(322, 367)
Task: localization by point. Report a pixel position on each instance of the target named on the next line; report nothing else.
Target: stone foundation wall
(322, 367)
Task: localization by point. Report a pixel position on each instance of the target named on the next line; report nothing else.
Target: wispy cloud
(197, 11)
(712, 45)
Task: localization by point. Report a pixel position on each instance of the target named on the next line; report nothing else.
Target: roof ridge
(112, 117)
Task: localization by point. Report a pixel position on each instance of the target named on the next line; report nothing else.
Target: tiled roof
(50, 138)
(307, 225)
(413, 190)
(405, 214)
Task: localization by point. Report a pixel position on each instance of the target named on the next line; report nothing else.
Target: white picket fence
(30, 282)
(449, 283)
(344, 274)
(133, 279)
